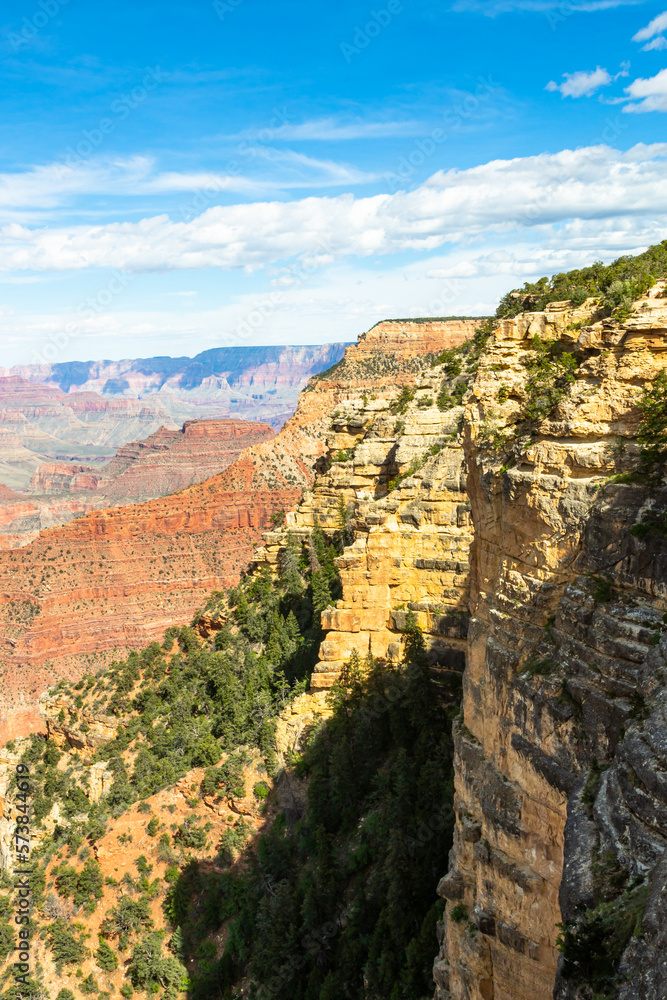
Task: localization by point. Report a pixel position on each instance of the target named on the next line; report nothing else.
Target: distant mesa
(82, 412)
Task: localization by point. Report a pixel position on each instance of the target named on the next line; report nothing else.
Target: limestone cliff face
(560, 748)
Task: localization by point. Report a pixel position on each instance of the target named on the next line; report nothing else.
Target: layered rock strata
(256, 383)
(560, 750)
(402, 480)
(42, 423)
(116, 578)
(165, 462)
(561, 744)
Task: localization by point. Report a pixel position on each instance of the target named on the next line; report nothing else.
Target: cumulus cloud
(581, 83)
(651, 94)
(451, 206)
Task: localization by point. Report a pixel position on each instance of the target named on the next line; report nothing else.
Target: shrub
(127, 918)
(400, 404)
(551, 372)
(89, 985)
(66, 946)
(89, 886)
(592, 946)
(106, 957)
(152, 971)
(261, 790)
(191, 834)
(615, 285)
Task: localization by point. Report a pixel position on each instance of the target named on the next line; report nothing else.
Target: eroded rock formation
(165, 462)
(560, 750)
(114, 579)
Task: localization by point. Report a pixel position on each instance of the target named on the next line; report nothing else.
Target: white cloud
(655, 27)
(452, 206)
(581, 83)
(563, 7)
(333, 303)
(334, 130)
(651, 94)
(36, 193)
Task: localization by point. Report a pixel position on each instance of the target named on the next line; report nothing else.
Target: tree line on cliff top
(616, 285)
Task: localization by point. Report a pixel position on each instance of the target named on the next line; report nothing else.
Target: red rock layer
(117, 578)
(163, 463)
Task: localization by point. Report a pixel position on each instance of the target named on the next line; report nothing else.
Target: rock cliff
(506, 526)
(115, 578)
(163, 463)
(558, 736)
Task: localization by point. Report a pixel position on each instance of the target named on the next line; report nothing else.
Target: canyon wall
(505, 517)
(163, 463)
(41, 423)
(567, 609)
(116, 578)
(255, 383)
(513, 529)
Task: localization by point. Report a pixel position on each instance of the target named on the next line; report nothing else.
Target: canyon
(511, 544)
(82, 412)
(79, 595)
(40, 423)
(492, 497)
(165, 462)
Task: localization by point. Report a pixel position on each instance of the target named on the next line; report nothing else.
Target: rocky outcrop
(402, 480)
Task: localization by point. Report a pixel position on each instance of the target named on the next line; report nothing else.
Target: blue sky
(179, 176)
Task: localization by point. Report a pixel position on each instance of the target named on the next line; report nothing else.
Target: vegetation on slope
(336, 898)
(339, 900)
